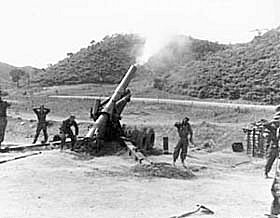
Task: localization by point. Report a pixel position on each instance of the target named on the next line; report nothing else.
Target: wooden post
(248, 141)
(254, 142)
(261, 143)
(165, 145)
(258, 143)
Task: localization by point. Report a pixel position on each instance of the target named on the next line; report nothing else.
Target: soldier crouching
(65, 131)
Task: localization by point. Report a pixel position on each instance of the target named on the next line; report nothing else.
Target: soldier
(65, 131)
(272, 142)
(186, 134)
(41, 113)
(3, 118)
(275, 191)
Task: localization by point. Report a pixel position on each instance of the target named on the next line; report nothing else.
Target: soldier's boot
(45, 136)
(72, 147)
(34, 141)
(45, 140)
(61, 145)
(174, 164)
(183, 164)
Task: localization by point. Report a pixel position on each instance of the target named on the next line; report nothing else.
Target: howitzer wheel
(143, 138)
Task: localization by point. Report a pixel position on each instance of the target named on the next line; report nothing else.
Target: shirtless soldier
(186, 134)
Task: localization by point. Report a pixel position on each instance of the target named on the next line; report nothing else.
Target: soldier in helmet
(272, 142)
(41, 113)
(186, 134)
(65, 131)
(3, 117)
(275, 189)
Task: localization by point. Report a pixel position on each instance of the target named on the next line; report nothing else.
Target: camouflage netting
(161, 169)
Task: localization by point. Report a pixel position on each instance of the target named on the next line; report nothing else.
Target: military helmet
(186, 119)
(72, 117)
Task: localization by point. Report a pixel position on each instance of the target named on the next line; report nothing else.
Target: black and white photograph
(139, 108)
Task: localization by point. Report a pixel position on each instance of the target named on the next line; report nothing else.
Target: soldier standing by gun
(186, 134)
(275, 189)
(41, 113)
(3, 118)
(65, 131)
(273, 142)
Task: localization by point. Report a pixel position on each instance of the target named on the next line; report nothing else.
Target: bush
(158, 83)
(234, 94)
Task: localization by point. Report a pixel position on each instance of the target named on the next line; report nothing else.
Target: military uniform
(273, 148)
(65, 131)
(275, 191)
(42, 123)
(184, 131)
(3, 119)
(273, 153)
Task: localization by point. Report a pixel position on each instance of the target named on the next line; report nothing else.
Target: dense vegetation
(250, 71)
(187, 66)
(104, 61)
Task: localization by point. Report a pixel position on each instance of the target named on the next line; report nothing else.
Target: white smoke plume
(153, 44)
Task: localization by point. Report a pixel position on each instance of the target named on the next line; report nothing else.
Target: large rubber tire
(150, 142)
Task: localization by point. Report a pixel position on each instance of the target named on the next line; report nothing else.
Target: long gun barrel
(107, 111)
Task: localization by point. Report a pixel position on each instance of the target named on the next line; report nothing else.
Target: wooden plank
(19, 157)
(138, 156)
(21, 147)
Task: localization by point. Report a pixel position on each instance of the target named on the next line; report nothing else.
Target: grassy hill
(187, 66)
(101, 62)
(249, 71)
(4, 72)
(107, 61)
(5, 79)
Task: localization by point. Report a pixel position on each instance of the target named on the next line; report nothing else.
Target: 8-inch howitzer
(107, 116)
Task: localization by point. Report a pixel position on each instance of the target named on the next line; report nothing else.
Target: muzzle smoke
(153, 44)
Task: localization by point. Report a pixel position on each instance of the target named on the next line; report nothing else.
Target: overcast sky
(41, 32)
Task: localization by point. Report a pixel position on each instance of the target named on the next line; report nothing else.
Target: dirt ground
(62, 184)
(59, 184)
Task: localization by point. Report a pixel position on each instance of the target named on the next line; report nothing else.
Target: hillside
(187, 66)
(106, 61)
(4, 72)
(249, 71)
(101, 62)
(6, 80)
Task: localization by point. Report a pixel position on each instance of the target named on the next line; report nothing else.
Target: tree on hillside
(16, 75)
(70, 54)
(27, 78)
